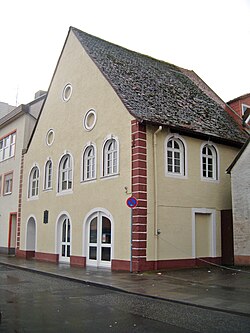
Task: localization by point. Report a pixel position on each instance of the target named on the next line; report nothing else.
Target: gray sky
(211, 37)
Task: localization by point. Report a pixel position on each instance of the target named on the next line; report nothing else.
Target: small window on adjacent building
(0, 185)
(65, 173)
(89, 163)
(175, 156)
(110, 157)
(7, 183)
(209, 158)
(48, 175)
(34, 182)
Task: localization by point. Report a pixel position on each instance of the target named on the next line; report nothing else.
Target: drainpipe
(156, 232)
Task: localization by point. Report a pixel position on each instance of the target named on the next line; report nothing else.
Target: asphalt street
(31, 302)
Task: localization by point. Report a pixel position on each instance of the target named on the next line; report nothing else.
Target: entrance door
(12, 233)
(65, 241)
(99, 241)
(227, 246)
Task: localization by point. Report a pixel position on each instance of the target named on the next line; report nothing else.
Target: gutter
(156, 231)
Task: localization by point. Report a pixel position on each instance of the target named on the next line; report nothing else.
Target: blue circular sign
(132, 202)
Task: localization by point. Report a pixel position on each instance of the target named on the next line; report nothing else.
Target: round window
(50, 137)
(89, 120)
(67, 92)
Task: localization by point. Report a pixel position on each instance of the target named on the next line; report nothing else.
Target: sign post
(131, 203)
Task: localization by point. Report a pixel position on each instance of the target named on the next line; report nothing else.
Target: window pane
(93, 231)
(63, 250)
(68, 250)
(64, 232)
(106, 230)
(92, 252)
(68, 232)
(106, 253)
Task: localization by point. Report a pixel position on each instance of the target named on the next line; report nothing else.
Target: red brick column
(19, 207)
(139, 191)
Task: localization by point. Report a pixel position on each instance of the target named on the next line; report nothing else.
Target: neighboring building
(117, 123)
(240, 180)
(15, 131)
(241, 105)
(5, 108)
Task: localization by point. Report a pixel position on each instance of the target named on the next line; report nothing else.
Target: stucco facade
(15, 131)
(94, 146)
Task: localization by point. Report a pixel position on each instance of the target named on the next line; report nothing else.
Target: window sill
(176, 176)
(65, 192)
(115, 175)
(87, 181)
(210, 180)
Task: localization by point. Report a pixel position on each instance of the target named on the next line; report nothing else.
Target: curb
(118, 289)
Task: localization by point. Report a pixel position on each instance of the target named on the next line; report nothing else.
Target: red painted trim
(6, 135)
(77, 261)
(21, 253)
(241, 260)
(120, 265)
(139, 164)
(49, 257)
(20, 201)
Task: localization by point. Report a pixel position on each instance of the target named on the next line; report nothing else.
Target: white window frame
(110, 156)
(244, 107)
(214, 157)
(48, 172)
(182, 156)
(88, 162)
(33, 182)
(7, 146)
(8, 183)
(66, 174)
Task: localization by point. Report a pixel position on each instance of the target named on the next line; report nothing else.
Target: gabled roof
(161, 93)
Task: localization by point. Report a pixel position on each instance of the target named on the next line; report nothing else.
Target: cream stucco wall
(90, 91)
(180, 201)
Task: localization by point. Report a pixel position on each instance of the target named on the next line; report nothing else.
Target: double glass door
(65, 241)
(99, 241)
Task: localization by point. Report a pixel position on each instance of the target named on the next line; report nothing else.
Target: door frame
(12, 233)
(212, 213)
(61, 217)
(98, 212)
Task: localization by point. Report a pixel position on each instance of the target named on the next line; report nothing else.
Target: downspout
(156, 232)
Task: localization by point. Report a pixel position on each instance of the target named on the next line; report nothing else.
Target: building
(15, 131)
(240, 179)
(241, 105)
(117, 124)
(5, 108)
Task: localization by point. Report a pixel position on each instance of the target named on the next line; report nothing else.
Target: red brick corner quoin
(139, 191)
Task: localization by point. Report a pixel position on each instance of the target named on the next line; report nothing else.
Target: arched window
(175, 156)
(34, 182)
(209, 161)
(48, 175)
(89, 163)
(110, 157)
(65, 173)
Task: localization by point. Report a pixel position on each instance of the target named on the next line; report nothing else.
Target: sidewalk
(214, 287)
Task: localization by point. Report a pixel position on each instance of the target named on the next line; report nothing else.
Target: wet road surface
(31, 302)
